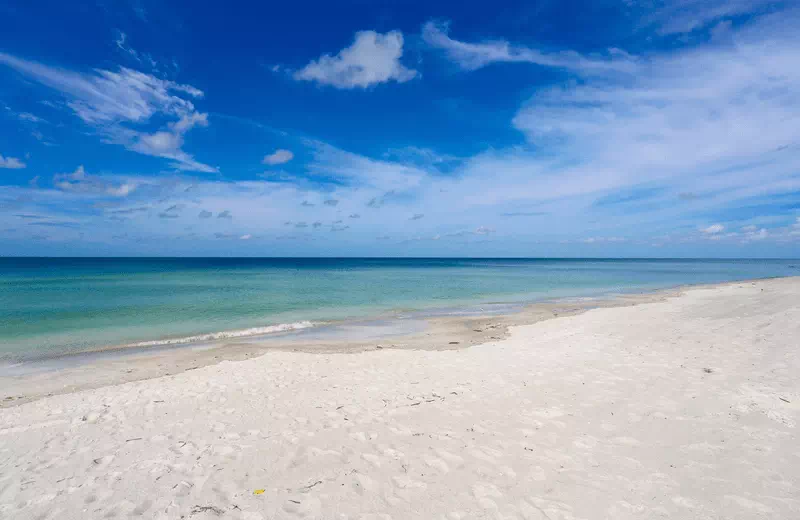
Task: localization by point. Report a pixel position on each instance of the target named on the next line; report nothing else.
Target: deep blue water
(52, 306)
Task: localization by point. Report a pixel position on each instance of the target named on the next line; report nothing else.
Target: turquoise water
(51, 306)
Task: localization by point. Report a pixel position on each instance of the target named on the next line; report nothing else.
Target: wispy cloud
(373, 58)
(688, 138)
(81, 182)
(472, 56)
(31, 118)
(142, 57)
(114, 103)
(355, 170)
(684, 16)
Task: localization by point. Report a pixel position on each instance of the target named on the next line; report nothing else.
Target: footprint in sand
(142, 508)
(437, 464)
(372, 459)
(303, 507)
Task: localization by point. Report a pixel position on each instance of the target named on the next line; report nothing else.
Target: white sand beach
(684, 408)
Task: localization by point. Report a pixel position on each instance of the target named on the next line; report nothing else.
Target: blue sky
(611, 128)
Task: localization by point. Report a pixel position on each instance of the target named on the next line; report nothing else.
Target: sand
(681, 408)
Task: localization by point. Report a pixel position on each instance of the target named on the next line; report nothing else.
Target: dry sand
(680, 408)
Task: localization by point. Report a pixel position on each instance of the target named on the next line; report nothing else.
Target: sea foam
(212, 336)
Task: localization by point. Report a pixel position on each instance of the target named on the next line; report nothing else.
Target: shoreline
(683, 405)
(74, 372)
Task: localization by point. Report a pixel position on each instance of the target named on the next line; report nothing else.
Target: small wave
(255, 331)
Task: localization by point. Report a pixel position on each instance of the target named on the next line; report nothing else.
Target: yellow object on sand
(258, 492)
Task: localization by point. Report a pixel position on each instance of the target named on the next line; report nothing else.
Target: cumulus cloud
(225, 214)
(11, 163)
(118, 103)
(713, 229)
(373, 58)
(278, 157)
(472, 56)
(81, 182)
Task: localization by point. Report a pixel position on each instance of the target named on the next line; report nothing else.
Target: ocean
(55, 306)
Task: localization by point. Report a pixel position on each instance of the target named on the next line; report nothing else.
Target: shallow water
(51, 306)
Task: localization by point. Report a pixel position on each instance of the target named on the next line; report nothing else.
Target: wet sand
(454, 329)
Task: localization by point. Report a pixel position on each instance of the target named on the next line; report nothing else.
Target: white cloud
(716, 121)
(141, 57)
(602, 240)
(684, 16)
(11, 162)
(422, 157)
(684, 141)
(373, 58)
(360, 171)
(713, 229)
(246, 237)
(80, 182)
(472, 56)
(169, 143)
(115, 102)
(31, 118)
(761, 234)
(278, 157)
